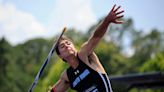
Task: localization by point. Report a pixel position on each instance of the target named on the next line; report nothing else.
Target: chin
(72, 52)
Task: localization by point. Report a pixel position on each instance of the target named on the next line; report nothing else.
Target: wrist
(107, 21)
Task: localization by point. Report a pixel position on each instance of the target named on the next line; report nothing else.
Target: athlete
(86, 73)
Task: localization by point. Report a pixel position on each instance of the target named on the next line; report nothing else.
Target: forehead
(63, 41)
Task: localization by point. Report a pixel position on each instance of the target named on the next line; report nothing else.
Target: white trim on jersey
(109, 83)
(106, 86)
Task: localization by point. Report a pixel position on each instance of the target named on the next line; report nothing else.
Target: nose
(66, 45)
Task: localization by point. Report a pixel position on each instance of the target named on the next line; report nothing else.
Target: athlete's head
(65, 48)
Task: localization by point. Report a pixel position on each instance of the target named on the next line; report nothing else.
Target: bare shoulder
(83, 54)
(83, 49)
(87, 48)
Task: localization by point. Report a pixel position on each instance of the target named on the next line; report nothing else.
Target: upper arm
(88, 47)
(63, 83)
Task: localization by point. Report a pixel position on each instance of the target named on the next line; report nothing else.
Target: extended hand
(114, 15)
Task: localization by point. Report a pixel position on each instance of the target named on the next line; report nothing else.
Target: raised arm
(113, 16)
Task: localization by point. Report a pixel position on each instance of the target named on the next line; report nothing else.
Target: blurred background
(28, 29)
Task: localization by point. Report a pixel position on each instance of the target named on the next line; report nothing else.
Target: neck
(73, 61)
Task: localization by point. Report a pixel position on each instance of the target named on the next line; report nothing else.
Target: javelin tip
(65, 29)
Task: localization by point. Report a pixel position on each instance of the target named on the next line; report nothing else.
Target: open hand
(114, 15)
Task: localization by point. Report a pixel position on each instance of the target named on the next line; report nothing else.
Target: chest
(83, 77)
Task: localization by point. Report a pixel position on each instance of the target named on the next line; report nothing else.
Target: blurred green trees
(123, 50)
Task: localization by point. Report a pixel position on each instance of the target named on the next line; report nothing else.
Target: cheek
(62, 55)
(62, 52)
(73, 47)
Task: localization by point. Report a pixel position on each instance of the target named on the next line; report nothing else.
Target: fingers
(113, 7)
(117, 8)
(115, 14)
(118, 22)
(118, 17)
(120, 12)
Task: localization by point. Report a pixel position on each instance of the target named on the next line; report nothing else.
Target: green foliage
(154, 64)
(4, 63)
(53, 74)
(19, 64)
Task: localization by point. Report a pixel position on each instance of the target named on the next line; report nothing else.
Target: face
(66, 48)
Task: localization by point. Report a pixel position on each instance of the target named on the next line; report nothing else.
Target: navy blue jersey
(85, 79)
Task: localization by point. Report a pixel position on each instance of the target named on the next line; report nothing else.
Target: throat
(75, 64)
(73, 61)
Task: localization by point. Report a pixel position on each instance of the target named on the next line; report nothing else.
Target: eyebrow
(61, 44)
(64, 42)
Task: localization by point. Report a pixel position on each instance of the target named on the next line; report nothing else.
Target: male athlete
(85, 74)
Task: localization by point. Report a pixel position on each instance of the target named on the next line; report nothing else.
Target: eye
(62, 46)
(68, 43)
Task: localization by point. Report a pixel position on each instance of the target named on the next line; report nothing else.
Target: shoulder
(88, 47)
(84, 50)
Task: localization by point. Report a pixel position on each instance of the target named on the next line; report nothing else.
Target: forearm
(92, 42)
(101, 30)
(112, 17)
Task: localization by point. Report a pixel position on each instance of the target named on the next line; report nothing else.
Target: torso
(85, 79)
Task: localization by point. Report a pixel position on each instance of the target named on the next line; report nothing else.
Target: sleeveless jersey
(85, 79)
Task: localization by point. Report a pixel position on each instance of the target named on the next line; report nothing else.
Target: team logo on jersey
(85, 73)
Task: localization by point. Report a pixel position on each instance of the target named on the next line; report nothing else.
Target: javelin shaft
(45, 62)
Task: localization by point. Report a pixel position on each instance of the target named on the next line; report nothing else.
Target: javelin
(46, 62)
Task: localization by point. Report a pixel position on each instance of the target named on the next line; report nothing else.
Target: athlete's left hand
(114, 15)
